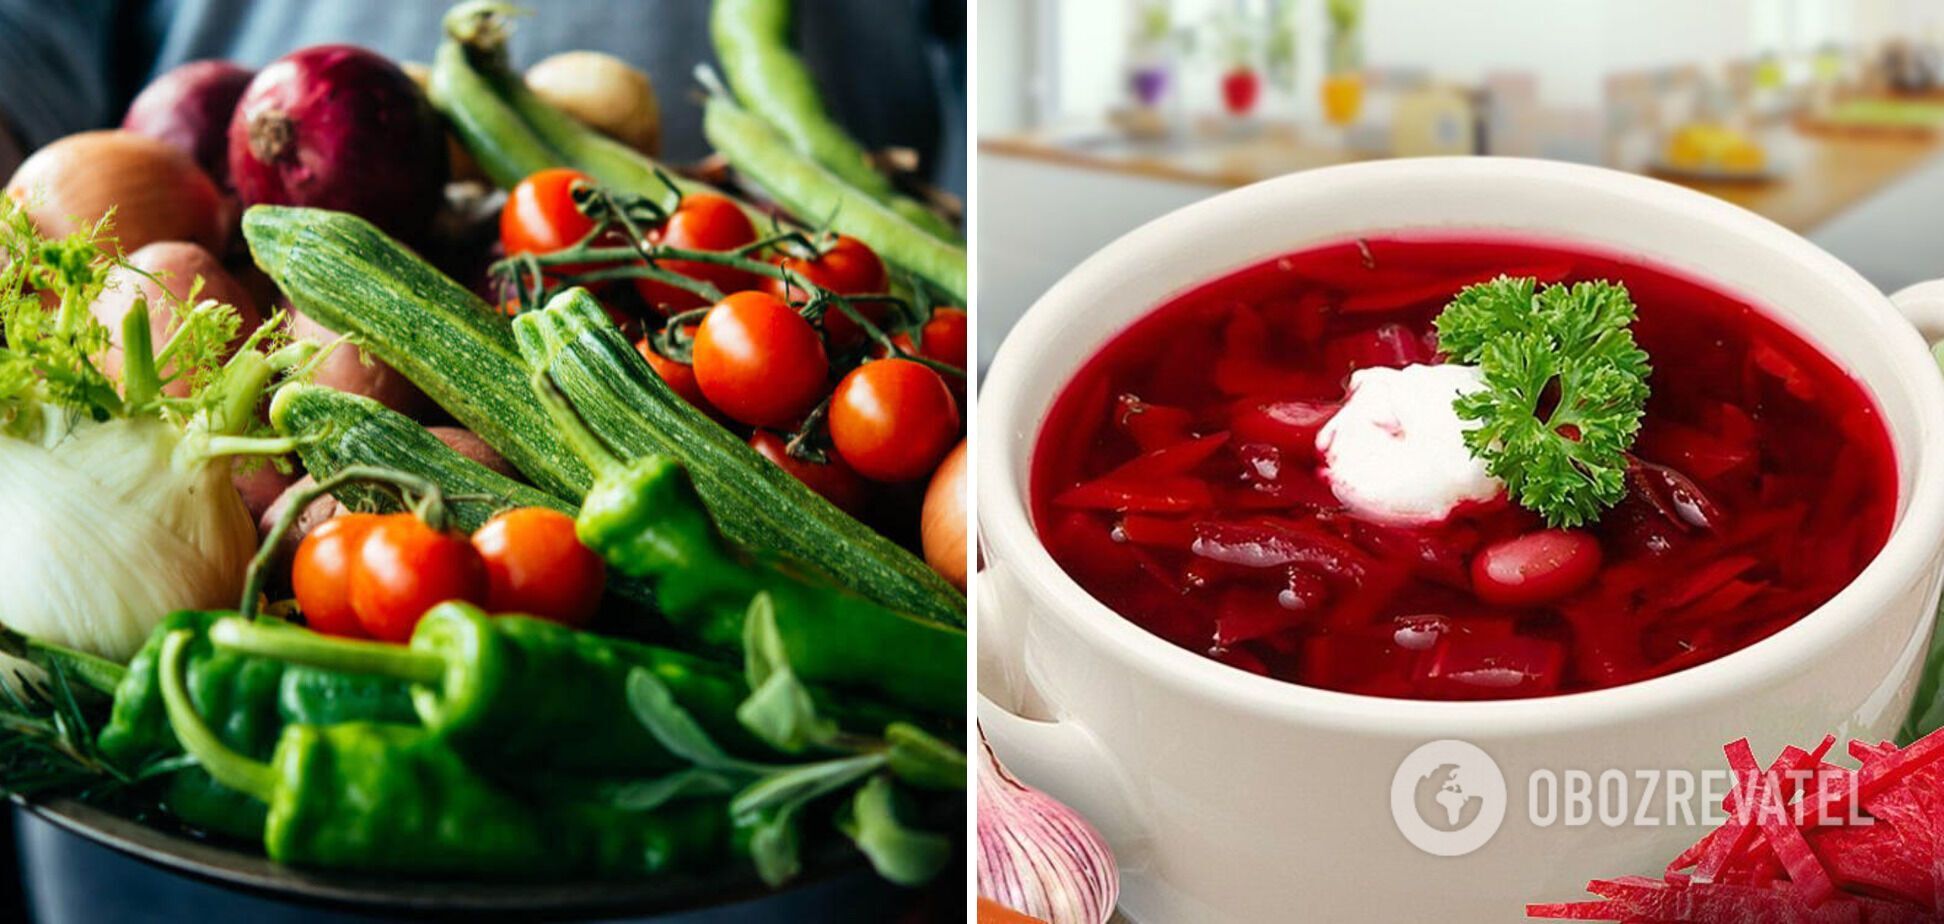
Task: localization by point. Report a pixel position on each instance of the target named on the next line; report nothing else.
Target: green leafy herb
(779, 709)
(900, 853)
(1565, 386)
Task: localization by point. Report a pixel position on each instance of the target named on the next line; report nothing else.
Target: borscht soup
(1285, 471)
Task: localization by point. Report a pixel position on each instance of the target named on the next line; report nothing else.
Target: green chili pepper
(752, 39)
(399, 799)
(528, 691)
(251, 700)
(646, 520)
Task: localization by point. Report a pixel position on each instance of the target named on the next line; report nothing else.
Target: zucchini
(344, 273)
(336, 430)
(757, 505)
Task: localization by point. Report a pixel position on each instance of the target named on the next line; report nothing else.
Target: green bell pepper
(250, 699)
(531, 692)
(646, 520)
(399, 799)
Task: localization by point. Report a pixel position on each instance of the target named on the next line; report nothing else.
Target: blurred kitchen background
(1097, 115)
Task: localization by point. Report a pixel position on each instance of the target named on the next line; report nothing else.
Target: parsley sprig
(1565, 386)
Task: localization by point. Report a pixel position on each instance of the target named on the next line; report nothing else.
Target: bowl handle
(1923, 306)
(1059, 755)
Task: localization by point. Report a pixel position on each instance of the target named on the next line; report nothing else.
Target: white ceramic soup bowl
(1233, 797)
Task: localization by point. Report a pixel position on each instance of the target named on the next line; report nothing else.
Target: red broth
(1767, 482)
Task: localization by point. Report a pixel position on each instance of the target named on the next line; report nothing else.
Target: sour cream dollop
(1395, 452)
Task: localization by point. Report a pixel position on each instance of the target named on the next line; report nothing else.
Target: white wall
(1571, 44)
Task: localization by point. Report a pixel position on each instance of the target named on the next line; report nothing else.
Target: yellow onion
(156, 191)
(602, 92)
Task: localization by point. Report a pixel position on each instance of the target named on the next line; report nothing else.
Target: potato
(347, 369)
(177, 264)
(468, 444)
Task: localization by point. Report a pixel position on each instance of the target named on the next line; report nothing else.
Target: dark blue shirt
(892, 71)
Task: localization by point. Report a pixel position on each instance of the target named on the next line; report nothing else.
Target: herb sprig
(1565, 386)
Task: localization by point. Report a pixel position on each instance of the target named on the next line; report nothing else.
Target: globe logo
(1448, 798)
(1443, 801)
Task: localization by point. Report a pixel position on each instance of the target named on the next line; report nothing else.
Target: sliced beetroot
(1168, 461)
(1245, 614)
(1672, 493)
(1161, 495)
(1166, 532)
(1152, 426)
(1791, 850)
(1289, 425)
(1439, 291)
(1264, 543)
(1391, 346)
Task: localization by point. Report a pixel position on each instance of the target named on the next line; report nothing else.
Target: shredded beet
(1795, 847)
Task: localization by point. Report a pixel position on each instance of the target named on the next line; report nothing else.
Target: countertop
(1828, 172)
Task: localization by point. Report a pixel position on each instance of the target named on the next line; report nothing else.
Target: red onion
(1038, 857)
(189, 108)
(338, 127)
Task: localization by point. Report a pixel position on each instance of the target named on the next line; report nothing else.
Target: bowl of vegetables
(555, 557)
(1468, 449)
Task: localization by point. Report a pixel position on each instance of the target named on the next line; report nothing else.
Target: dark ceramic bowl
(82, 864)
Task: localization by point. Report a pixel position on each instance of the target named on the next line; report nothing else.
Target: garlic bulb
(1036, 855)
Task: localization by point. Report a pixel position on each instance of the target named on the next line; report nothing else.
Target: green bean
(811, 192)
(752, 39)
(506, 149)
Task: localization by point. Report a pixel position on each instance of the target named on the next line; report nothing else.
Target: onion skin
(1037, 856)
(942, 523)
(341, 128)
(602, 92)
(189, 108)
(157, 192)
(179, 264)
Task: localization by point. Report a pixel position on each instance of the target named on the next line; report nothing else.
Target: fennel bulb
(105, 532)
(116, 504)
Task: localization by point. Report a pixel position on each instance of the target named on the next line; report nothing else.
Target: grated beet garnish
(1793, 849)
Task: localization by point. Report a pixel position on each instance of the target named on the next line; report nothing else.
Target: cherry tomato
(536, 565)
(834, 480)
(701, 222)
(943, 338)
(758, 360)
(405, 568)
(540, 217)
(944, 341)
(847, 267)
(893, 419)
(320, 574)
(1538, 567)
(679, 376)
